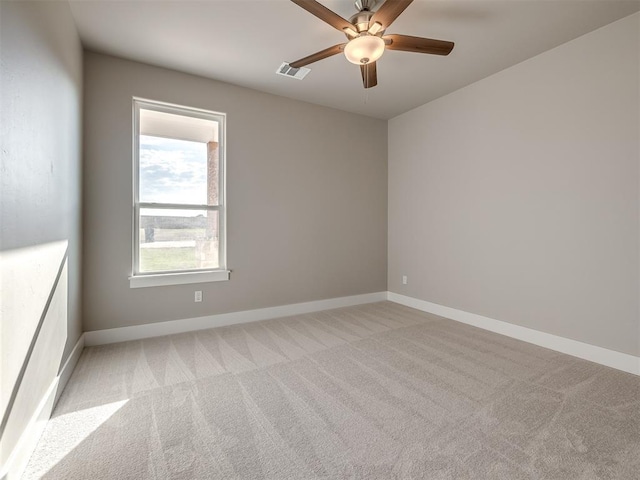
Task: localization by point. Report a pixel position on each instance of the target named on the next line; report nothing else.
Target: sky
(172, 171)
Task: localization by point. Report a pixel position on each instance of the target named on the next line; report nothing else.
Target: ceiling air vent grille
(291, 72)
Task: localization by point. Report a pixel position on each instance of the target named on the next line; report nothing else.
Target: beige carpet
(379, 391)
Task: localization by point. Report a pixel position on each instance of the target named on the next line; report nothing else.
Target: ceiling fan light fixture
(350, 32)
(364, 49)
(375, 28)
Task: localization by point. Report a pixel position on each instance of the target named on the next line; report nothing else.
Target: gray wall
(517, 197)
(40, 115)
(306, 193)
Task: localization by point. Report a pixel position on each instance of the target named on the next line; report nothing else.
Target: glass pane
(173, 240)
(178, 171)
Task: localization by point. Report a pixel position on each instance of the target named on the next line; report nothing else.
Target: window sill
(165, 279)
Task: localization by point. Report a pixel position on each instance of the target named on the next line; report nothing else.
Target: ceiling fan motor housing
(360, 20)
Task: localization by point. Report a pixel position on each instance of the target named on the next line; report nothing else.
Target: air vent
(291, 72)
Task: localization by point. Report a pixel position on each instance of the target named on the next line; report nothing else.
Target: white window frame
(140, 279)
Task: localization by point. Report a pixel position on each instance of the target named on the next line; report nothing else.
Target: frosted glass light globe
(364, 49)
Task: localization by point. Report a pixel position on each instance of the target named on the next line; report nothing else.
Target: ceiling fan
(366, 39)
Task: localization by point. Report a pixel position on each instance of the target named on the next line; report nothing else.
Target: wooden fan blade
(324, 14)
(327, 52)
(389, 11)
(407, 43)
(369, 74)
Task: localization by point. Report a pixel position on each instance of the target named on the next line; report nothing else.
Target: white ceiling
(244, 41)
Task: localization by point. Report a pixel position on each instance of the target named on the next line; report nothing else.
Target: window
(179, 208)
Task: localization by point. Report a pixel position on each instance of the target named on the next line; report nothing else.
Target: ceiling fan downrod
(367, 5)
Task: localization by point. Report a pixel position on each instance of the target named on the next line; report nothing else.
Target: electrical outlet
(404, 280)
(198, 297)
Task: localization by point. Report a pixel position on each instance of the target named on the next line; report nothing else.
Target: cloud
(172, 171)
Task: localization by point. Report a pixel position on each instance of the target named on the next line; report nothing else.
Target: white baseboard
(610, 358)
(21, 453)
(69, 366)
(603, 356)
(137, 332)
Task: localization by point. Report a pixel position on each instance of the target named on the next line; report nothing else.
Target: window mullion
(177, 206)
